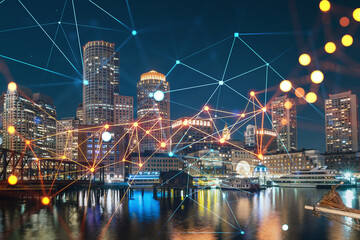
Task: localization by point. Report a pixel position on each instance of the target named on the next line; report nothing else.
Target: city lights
(285, 227)
(299, 92)
(330, 47)
(285, 86)
(11, 130)
(252, 93)
(27, 142)
(171, 154)
(206, 108)
(288, 104)
(12, 87)
(304, 59)
(260, 156)
(147, 132)
(324, 5)
(135, 124)
(347, 40)
(106, 126)
(159, 95)
(284, 122)
(45, 201)
(106, 136)
(356, 14)
(264, 109)
(344, 21)
(222, 140)
(163, 144)
(140, 164)
(92, 169)
(317, 76)
(86, 82)
(12, 180)
(311, 97)
(242, 115)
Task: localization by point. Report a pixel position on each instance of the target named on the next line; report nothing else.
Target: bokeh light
(106, 126)
(206, 108)
(12, 180)
(299, 92)
(324, 5)
(344, 21)
(106, 136)
(311, 97)
(285, 85)
(288, 104)
(260, 156)
(45, 200)
(12, 87)
(317, 76)
(347, 40)
(356, 14)
(159, 95)
(304, 59)
(252, 93)
(11, 130)
(285, 227)
(283, 122)
(330, 47)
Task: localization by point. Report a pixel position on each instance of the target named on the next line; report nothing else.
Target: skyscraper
(101, 82)
(264, 140)
(34, 118)
(80, 113)
(67, 138)
(153, 110)
(341, 122)
(283, 114)
(124, 110)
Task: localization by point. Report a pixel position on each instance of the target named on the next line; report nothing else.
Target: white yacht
(318, 177)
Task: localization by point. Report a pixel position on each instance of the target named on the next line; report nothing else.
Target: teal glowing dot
(85, 82)
(211, 150)
(242, 232)
(236, 34)
(159, 95)
(221, 83)
(171, 154)
(134, 32)
(59, 22)
(177, 61)
(106, 136)
(151, 95)
(285, 227)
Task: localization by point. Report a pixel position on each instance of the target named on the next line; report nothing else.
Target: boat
(241, 183)
(318, 177)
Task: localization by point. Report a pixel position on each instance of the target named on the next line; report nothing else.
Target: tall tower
(124, 111)
(101, 82)
(153, 110)
(283, 114)
(226, 132)
(341, 122)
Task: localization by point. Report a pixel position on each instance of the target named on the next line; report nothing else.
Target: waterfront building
(33, 115)
(67, 138)
(283, 114)
(243, 161)
(347, 162)
(153, 111)
(154, 162)
(264, 140)
(124, 111)
(286, 163)
(341, 123)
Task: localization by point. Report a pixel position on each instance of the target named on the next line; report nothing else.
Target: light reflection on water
(209, 214)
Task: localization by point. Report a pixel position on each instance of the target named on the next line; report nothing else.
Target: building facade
(283, 114)
(67, 138)
(153, 112)
(343, 162)
(341, 123)
(154, 162)
(263, 140)
(124, 111)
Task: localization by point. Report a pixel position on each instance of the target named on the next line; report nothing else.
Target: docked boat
(237, 183)
(318, 177)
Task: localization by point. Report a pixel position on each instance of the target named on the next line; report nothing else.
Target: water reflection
(206, 214)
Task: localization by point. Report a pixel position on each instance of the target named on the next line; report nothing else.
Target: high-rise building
(67, 138)
(34, 118)
(264, 140)
(80, 113)
(341, 123)
(101, 82)
(153, 111)
(283, 114)
(124, 111)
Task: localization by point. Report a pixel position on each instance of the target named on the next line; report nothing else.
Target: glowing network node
(324, 5)
(59, 22)
(264, 109)
(285, 85)
(311, 97)
(347, 40)
(147, 132)
(304, 59)
(171, 154)
(27, 142)
(151, 95)
(134, 32)
(288, 104)
(106, 136)
(45, 200)
(36, 159)
(12, 180)
(299, 92)
(140, 164)
(356, 14)
(285, 227)
(260, 156)
(124, 160)
(242, 115)
(12, 87)
(206, 108)
(135, 124)
(317, 76)
(221, 83)
(222, 140)
(159, 95)
(163, 144)
(242, 232)
(177, 62)
(344, 21)
(92, 169)
(330, 47)
(11, 130)
(63, 157)
(211, 150)
(106, 126)
(252, 93)
(185, 122)
(86, 82)
(160, 118)
(236, 34)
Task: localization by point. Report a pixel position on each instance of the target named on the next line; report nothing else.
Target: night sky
(279, 31)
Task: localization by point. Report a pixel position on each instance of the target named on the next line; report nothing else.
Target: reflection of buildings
(154, 162)
(285, 163)
(204, 163)
(341, 122)
(67, 138)
(191, 135)
(262, 139)
(34, 117)
(283, 114)
(343, 162)
(93, 148)
(153, 115)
